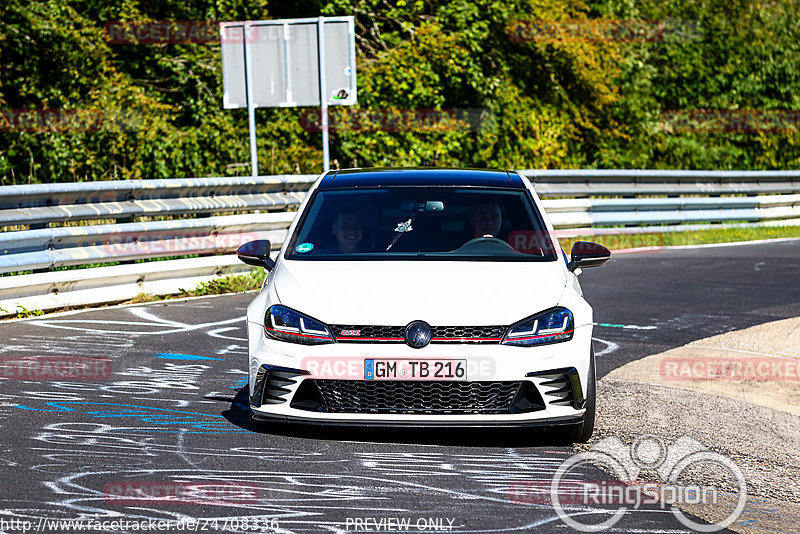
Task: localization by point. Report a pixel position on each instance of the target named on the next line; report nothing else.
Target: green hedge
(547, 92)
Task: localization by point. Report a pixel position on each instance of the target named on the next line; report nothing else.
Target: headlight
(551, 326)
(286, 324)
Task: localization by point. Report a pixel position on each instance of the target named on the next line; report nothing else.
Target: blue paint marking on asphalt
(626, 326)
(172, 356)
(125, 409)
(219, 430)
(241, 383)
(158, 416)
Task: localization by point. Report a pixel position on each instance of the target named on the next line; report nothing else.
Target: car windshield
(445, 223)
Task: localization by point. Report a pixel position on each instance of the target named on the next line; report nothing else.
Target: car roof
(355, 178)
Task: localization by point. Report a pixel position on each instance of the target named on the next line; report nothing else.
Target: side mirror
(586, 254)
(256, 253)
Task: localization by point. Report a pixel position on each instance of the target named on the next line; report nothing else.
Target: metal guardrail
(101, 285)
(592, 200)
(675, 210)
(48, 203)
(79, 245)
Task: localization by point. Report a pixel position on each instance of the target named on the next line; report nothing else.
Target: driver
(486, 219)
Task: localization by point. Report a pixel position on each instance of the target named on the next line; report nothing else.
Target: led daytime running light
(286, 324)
(540, 330)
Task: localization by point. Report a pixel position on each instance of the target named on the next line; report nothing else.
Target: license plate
(415, 369)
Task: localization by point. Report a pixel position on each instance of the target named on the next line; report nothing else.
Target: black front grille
(468, 333)
(413, 397)
(396, 334)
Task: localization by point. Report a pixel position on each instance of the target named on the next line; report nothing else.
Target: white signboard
(286, 62)
(290, 62)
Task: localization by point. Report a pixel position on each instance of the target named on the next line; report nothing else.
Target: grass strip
(721, 235)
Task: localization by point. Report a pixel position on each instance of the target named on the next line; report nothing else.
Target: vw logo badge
(418, 334)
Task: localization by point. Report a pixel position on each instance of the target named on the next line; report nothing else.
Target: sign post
(251, 105)
(323, 91)
(289, 63)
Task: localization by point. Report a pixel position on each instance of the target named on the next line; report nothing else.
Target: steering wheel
(486, 244)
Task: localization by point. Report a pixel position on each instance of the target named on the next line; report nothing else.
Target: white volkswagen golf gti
(423, 297)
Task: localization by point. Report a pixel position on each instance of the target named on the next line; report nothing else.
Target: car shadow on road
(239, 415)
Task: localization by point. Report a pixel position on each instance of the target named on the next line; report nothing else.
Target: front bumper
(259, 416)
(557, 374)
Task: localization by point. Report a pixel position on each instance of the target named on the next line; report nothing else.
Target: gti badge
(418, 334)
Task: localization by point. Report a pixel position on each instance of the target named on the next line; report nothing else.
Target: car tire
(582, 432)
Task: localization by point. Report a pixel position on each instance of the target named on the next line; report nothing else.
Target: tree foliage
(513, 84)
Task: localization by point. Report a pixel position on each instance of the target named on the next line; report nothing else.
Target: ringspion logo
(626, 463)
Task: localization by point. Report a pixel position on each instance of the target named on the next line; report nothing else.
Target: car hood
(440, 293)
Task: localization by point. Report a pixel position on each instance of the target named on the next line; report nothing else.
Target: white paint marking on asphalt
(174, 301)
(610, 347)
(67, 324)
(232, 349)
(218, 333)
(144, 313)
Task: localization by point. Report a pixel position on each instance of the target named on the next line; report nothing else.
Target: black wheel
(582, 432)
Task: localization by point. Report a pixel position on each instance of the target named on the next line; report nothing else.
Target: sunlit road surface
(161, 430)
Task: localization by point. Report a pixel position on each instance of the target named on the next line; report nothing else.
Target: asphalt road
(168, 413)
(668, 298)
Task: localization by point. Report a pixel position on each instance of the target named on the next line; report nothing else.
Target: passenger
(348, 228)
